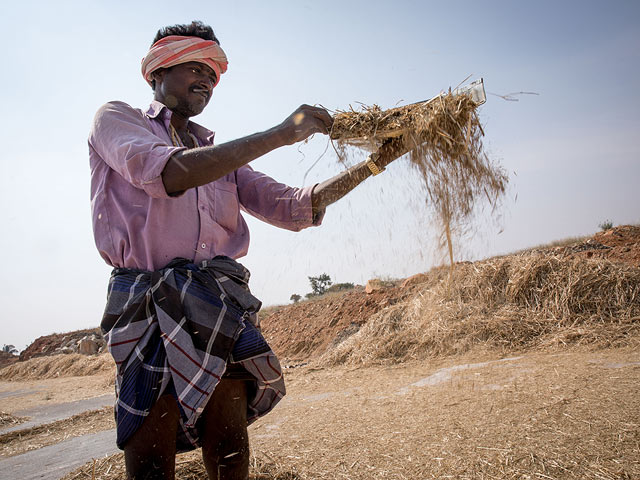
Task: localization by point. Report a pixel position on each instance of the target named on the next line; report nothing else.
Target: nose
(205, 84)
(209, 82)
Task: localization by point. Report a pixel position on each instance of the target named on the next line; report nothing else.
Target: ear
(158, 75)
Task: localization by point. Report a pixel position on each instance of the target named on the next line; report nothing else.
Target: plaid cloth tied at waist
(174, 330)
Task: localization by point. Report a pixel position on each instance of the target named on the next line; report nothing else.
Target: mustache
(199, 89)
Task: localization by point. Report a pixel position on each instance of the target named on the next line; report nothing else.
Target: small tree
(320, 283)
(295, 298)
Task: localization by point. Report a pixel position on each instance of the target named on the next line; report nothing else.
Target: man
(192, 367)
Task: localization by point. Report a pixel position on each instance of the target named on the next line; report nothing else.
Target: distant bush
(606, 225)
(295, 298)
(339, 287)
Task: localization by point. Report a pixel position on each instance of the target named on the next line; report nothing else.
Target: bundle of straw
(444, 141)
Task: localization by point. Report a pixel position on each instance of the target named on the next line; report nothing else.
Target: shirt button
(204, 245)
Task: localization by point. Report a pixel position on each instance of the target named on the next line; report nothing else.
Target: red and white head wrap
(176, 49)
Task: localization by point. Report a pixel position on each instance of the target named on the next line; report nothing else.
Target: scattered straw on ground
(444, 141)
(573, 415)
(7, 420)
(510, 303)
(189, 466)
(21, 441)
(62, 365)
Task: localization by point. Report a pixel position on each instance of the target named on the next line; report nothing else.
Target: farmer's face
(185, 88)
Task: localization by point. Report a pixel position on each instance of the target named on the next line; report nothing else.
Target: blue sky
(572, 150)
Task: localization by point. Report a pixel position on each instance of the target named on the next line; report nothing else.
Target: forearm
(199, 166)
(332, 190)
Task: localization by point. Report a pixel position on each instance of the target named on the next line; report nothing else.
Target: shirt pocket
(225, 205)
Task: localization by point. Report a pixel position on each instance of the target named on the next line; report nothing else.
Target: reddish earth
(50, 344)
(619, 245)
(307, 329)
(623, 243)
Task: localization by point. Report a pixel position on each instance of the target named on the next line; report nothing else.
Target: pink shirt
(136, 224)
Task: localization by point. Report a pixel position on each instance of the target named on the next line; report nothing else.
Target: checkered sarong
(174, 330)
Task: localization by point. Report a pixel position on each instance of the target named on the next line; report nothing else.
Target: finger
(325, 118)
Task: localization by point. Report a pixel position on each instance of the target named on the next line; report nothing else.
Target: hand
(306, 121)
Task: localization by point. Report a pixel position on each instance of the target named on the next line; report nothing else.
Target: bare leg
(225, 442)
(150, 453)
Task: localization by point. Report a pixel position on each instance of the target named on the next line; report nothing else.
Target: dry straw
(444, 142)
(62, 365)
(510, 303)
(189, 466)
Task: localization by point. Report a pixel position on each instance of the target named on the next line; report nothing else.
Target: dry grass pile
(63, 365)
(7, 420)
(25, 440)
(510, 303)
(189, 466)
(444, 141)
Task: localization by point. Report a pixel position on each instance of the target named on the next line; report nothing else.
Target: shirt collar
(161, 112)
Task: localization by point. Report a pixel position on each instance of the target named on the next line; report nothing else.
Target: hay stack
(444, 140)
(510, 303)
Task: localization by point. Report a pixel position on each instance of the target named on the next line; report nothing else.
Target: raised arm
(199, 166)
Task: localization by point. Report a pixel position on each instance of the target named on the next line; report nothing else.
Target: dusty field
(573, 415)
(35, 393)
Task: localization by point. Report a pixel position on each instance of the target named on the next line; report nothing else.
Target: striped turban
(176, 49)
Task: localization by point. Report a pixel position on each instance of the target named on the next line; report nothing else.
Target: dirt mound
(62, 365)
(623, 244)
(308, 329)
(620, 244)
(61, 343)
(586, 291)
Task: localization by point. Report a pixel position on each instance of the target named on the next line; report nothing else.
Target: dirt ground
(34, 393)
(571, 415)
(25, 440)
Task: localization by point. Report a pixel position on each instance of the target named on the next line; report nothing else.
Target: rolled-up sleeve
(273, 202)
(122, 137)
